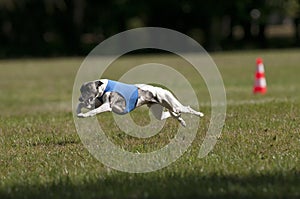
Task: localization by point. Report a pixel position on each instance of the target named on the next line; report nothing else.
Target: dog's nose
(80, 99)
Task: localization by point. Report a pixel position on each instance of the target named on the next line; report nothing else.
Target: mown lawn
(257, 155)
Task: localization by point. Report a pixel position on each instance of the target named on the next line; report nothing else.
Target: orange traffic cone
(260, 84)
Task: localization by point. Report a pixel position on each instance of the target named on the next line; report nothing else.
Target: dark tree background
(74, 27)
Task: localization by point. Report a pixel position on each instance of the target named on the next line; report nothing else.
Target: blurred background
(48, 28)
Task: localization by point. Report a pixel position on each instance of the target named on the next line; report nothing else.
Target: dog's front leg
(79, 107)
(103, 108)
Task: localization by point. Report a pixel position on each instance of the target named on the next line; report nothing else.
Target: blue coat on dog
(128, 91)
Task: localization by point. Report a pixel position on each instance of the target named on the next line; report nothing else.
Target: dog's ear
(98, 83)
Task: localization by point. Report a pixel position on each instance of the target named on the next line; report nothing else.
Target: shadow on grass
(168, 185)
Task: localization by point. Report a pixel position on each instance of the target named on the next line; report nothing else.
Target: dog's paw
(200, 114)
(82, 115)
(182, 122)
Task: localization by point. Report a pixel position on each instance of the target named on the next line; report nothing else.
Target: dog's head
(89, 93)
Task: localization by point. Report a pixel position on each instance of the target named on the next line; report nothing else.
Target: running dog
(107, 95)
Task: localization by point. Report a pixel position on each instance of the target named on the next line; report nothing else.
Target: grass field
(257, 155)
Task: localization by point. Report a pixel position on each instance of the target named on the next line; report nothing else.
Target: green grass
(257, 155)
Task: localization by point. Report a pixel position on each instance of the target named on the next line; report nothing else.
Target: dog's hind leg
(167, 99)
(158, 111)
(178, 117)
(188, 109)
